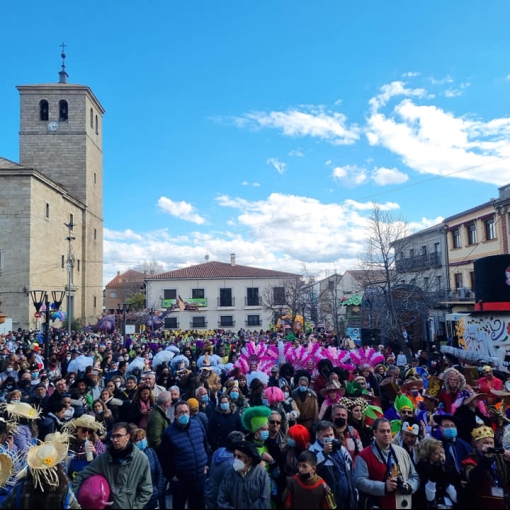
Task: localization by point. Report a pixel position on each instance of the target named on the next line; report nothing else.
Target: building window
(472, 280)
(170, 294)
(456, 238)
(253, 320)
(426, 283)
(471, 232)
(226, 320)
(113, 293)
(278, 295)
(226, 297)
(252, 296)
(95, 178)
(439, 282)
(198, 322)
(436, 247)
(197, 293)
(94, 302)
(171, 323)
(97, 125)
(458, 280)
(63, 262)
(2, 257)
(92, 118)
(490, 230)
(47, 212)
(411, 253)
(424, 250)
(95, 234)
(78, 265)
(63, 110)
(43, 110)
(71, 221)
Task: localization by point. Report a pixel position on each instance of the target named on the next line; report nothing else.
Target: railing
(198, 325)
(171, 325)
(224, 302)
(252, 301)
(462, 294)
(258, 322)
(419, 262)
(226, 323)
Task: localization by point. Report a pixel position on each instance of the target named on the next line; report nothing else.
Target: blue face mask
(450, 433)
(234, 395)
(291, 442)
(265, 402)
(302, 389)
(35, 375)
(183, 419)
(204, 398)
(224, 406)
(264, 435)
(141, 445)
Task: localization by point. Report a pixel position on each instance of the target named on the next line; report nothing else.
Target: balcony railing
(225, 302)
(226, 324)
(252, 322)
(198, 325)
(172, 325)
(462, 294)
(419, 262)
(252, 301)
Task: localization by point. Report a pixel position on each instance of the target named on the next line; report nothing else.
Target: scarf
(145, 417)
(120, 455)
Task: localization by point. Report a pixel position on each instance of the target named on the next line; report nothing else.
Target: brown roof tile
(221, 270)
(130, 276)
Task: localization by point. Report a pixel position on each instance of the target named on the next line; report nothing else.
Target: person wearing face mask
(236, 396)
(289, 406)
(298, 441)
(456, 450)
(470, 414)
(246, 483)
(225, 419)
(306, 402)
(344, 432)
(334, 465)
(306, 489)
(222, 459)
(183, 457)
(139, 439)
(206, 405)
(6, 387)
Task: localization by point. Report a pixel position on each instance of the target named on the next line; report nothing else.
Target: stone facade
(59, 181)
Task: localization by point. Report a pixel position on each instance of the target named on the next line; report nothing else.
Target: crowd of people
(247, 420)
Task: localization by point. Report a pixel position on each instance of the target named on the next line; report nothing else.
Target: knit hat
(411, 425)
(301, 435)
(254, 418)
(193, 404)
(482, 433)
(274, 395)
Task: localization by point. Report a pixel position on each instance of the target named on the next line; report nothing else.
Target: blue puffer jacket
(183, 451)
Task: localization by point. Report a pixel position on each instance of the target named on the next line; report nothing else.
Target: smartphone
(495, 450)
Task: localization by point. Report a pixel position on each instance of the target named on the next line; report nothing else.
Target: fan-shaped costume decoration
(179, 362)
(354, 389)
(367, 357)
(263, 377)
(137, 363)
(162, 357)
(254, 418)
(42, 461)
(79, 364)
(300, 357)
(257, 357)
(338, 357)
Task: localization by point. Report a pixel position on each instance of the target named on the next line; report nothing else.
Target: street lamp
(151, 313)
(38, 298)
(69, 266)
(123, 307)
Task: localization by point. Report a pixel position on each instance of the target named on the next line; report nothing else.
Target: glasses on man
(118, 436)
(275, 422)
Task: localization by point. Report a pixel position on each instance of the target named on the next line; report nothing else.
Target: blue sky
(266, 128)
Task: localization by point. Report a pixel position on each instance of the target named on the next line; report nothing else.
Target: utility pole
(69, 265)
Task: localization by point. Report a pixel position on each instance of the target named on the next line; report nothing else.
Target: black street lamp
(38, 298)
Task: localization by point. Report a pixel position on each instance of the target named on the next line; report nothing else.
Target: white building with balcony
(217, 295)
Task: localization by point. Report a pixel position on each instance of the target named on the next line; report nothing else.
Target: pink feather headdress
(300, 356)
(265, 357)
(338, 358)
(366, 357)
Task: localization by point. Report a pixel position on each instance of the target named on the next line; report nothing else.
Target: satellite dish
(206, 257)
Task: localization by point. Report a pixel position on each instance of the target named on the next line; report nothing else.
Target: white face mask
(286, 394)
(238, 465)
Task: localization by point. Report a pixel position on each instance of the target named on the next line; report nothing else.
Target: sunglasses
(86, 430)
(274, 422)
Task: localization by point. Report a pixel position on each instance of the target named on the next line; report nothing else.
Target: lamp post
(123, 308)
(151, 312)
(40, 297)
(69, 265)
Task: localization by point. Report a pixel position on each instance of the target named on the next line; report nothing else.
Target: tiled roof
(8, 164)
(368, 276)
(221, 270)
(130, 276)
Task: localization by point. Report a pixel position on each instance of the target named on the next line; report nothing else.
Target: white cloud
(395, 88)
(385, 176)
(312, 121)
(296, 153)
(442, 81)
(410, 74)
(182, 210)
(328, 162)
(254, 184)
(507, 77)
(458, 91)
(433, 141)
(279, 165)
(350, 175)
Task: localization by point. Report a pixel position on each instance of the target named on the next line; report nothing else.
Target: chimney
(118, 273)
(232, 259)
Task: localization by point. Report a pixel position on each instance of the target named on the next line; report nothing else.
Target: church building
(51, 203)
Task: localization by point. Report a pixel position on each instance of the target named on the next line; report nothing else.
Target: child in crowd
(307, 489)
